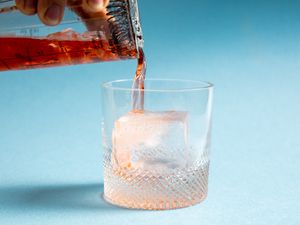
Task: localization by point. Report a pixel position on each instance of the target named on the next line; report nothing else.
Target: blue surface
(50, 140)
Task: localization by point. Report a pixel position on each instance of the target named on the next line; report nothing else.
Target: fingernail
(30, 4)
(54, 13)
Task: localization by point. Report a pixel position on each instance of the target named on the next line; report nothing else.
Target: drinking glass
(157, 158)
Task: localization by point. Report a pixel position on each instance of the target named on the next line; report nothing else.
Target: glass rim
(203, 85)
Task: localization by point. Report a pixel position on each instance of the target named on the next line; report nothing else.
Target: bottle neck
(135, 23)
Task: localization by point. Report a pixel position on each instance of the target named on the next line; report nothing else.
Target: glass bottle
(114, 33)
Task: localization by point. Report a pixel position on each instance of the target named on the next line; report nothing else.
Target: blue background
(50, 139)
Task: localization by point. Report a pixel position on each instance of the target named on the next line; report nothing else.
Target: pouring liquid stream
(139, 84)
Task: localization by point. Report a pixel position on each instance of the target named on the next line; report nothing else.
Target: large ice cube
(151, 140)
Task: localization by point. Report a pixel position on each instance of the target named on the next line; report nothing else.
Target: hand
(51, 12)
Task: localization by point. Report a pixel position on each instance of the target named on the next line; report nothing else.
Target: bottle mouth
(135, 23)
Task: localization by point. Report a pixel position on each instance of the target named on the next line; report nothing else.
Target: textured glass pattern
(137, 188)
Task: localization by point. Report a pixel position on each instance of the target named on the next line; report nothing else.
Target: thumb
(51, 12)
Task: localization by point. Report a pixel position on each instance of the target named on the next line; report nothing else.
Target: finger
(92, 12)
(51, 12)
(28, 7)
(94, 5)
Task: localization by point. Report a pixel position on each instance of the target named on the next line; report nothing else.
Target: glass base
(139, 189)
(166, 205)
